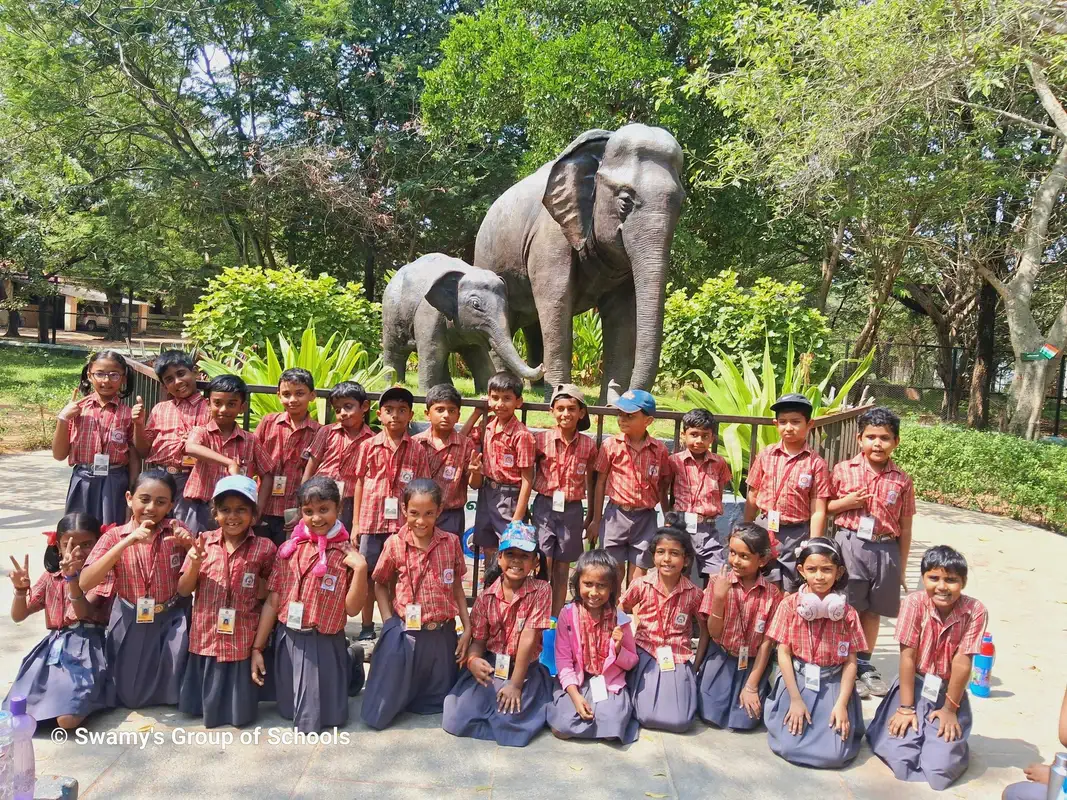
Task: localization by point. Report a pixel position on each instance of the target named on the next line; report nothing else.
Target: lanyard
(104, 440)
(147, 576)
(776, 487)
(226, 565)
(695, 496)
(811, 636)
(511, 611)
(392, 465)
(561, 458)
(304, 574)
(438, 458)
(739, 600)
(422, 575)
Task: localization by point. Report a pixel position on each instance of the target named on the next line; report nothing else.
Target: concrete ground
(1016, 571)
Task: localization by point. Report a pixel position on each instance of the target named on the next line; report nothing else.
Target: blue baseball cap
(636, 400)
(242, 484)
(519, 536)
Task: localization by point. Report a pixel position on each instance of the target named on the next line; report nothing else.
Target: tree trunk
(829, 265)
(1028, 390)
(44, 316)
(982, 374)
(368, 274)
(114, 313)
(12, 315)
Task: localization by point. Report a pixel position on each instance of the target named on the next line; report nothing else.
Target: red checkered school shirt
(50, 594)
(240, 444)
(228, 580)
(146, 569)
(101, 428)
(747, 614)
(385, 472)
(698, 484)
(289, 447)
(833, 642)
(169, 424)
(507, 452)
(892, 494)
(499, 623)
(422, 576)
(663, 618)
(323, 597)
(938, 640)
(448, 466)
(563, 466)
(336, 452)
(634, 474)
(788, 484)
(595, 633)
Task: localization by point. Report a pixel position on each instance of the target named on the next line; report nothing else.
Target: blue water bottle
(548, 647)
(982, 668)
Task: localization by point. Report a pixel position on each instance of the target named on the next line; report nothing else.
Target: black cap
(397, 393)
(788, 402)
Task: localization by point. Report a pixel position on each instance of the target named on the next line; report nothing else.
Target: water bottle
(982, 668)
(7, 758)
(548, 647)
(22, 728)
(1056, 777)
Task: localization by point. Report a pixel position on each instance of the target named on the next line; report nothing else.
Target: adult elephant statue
(591, 229)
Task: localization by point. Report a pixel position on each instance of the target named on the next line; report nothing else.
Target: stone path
(1016, 570)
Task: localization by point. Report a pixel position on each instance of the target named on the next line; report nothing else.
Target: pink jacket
(569, 653)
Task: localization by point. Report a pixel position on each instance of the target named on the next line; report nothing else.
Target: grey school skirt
(146, 660)
(409, 671)
(922, 756)
(666, 701)
(819, 745)
(73, 684)
(103, 497)
(222, 692)
(720, 682)
(312, 675)
(612, 718)
(470, 708)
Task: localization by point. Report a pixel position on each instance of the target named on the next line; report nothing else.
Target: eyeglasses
(106, 376)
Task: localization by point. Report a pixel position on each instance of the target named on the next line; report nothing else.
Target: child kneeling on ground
(921, 727)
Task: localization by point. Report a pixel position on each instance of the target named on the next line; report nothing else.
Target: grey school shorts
(873, 573)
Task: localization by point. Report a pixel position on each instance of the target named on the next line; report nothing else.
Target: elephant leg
(433, 349)
(535, 353)
(480, 364)
(550, 278)
(618, 318)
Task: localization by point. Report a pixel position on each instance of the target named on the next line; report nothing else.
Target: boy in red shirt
(448, 453)
(161, 441)
(698, 477)
(222, 447)
(385, 464)
(334, 448)
(287, 436)
(503, 472)
(565, 463)
(633, 473)
(874, 502)
(788, 487)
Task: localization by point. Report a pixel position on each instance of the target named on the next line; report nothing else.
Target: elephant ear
(571, 181)
(443, 294)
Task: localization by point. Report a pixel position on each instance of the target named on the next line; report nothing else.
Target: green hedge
(990, 472)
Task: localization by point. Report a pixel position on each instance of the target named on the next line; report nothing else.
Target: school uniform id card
(407, 475)
(502, 666)
(392, 508)
(842, 649)
(761, 625)
(101, 465)
(329, 583)
(507, 460)
(559, 500)
(742, 658)
(665, 658)
(598, 688)
(278, 489)
(449, 473)
(691, 521)
(248, 580)
(54, 652)
(931, 687)
(413, 617)
(865, 531)
(812, 674)
(188, 462)
(804, 481)
(774, 521)
(146, 609)
(294, 618)
(448, 576)
(227, 620)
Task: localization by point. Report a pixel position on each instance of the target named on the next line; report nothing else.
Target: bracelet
(716, 616)
(907, 710)
(21, 592)
(950, 700)
(749, 689)
(72, 578)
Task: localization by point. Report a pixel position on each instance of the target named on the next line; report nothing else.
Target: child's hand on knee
(581, 705)
(509, 699)
(839, 720)
(948, 724)
(901, 721)
(750, 702)
(1038, 773)
(797, 716)
(481, 670)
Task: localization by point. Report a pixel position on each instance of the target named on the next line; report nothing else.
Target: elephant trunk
(504, 347)
(650, 257)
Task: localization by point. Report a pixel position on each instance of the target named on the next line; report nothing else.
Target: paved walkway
(1016, 570)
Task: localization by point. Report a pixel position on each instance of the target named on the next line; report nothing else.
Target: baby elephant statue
(438, 305)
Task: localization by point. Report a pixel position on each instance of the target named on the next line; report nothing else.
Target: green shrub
(991, 472)
(246, 306)
(722, 314)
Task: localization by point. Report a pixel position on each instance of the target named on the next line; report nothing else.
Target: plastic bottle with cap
(7, 757)
(982, 668)
(22, 728)
(548, 647)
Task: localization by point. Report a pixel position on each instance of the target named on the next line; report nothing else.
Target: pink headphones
(810, 607)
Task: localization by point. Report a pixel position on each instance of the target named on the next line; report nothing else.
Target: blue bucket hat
(519, 536)
(636, 400)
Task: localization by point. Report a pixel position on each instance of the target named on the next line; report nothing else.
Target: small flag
(1048, 352)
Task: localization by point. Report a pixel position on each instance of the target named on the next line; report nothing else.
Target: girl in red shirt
(62, 678)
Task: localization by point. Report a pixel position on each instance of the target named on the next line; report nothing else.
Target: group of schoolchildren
(223, 574)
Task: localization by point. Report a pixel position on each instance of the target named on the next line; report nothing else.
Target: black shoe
(366, 633)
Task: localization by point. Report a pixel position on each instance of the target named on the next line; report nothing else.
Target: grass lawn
(34, 386)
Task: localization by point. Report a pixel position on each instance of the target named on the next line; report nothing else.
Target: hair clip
(53, 538)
